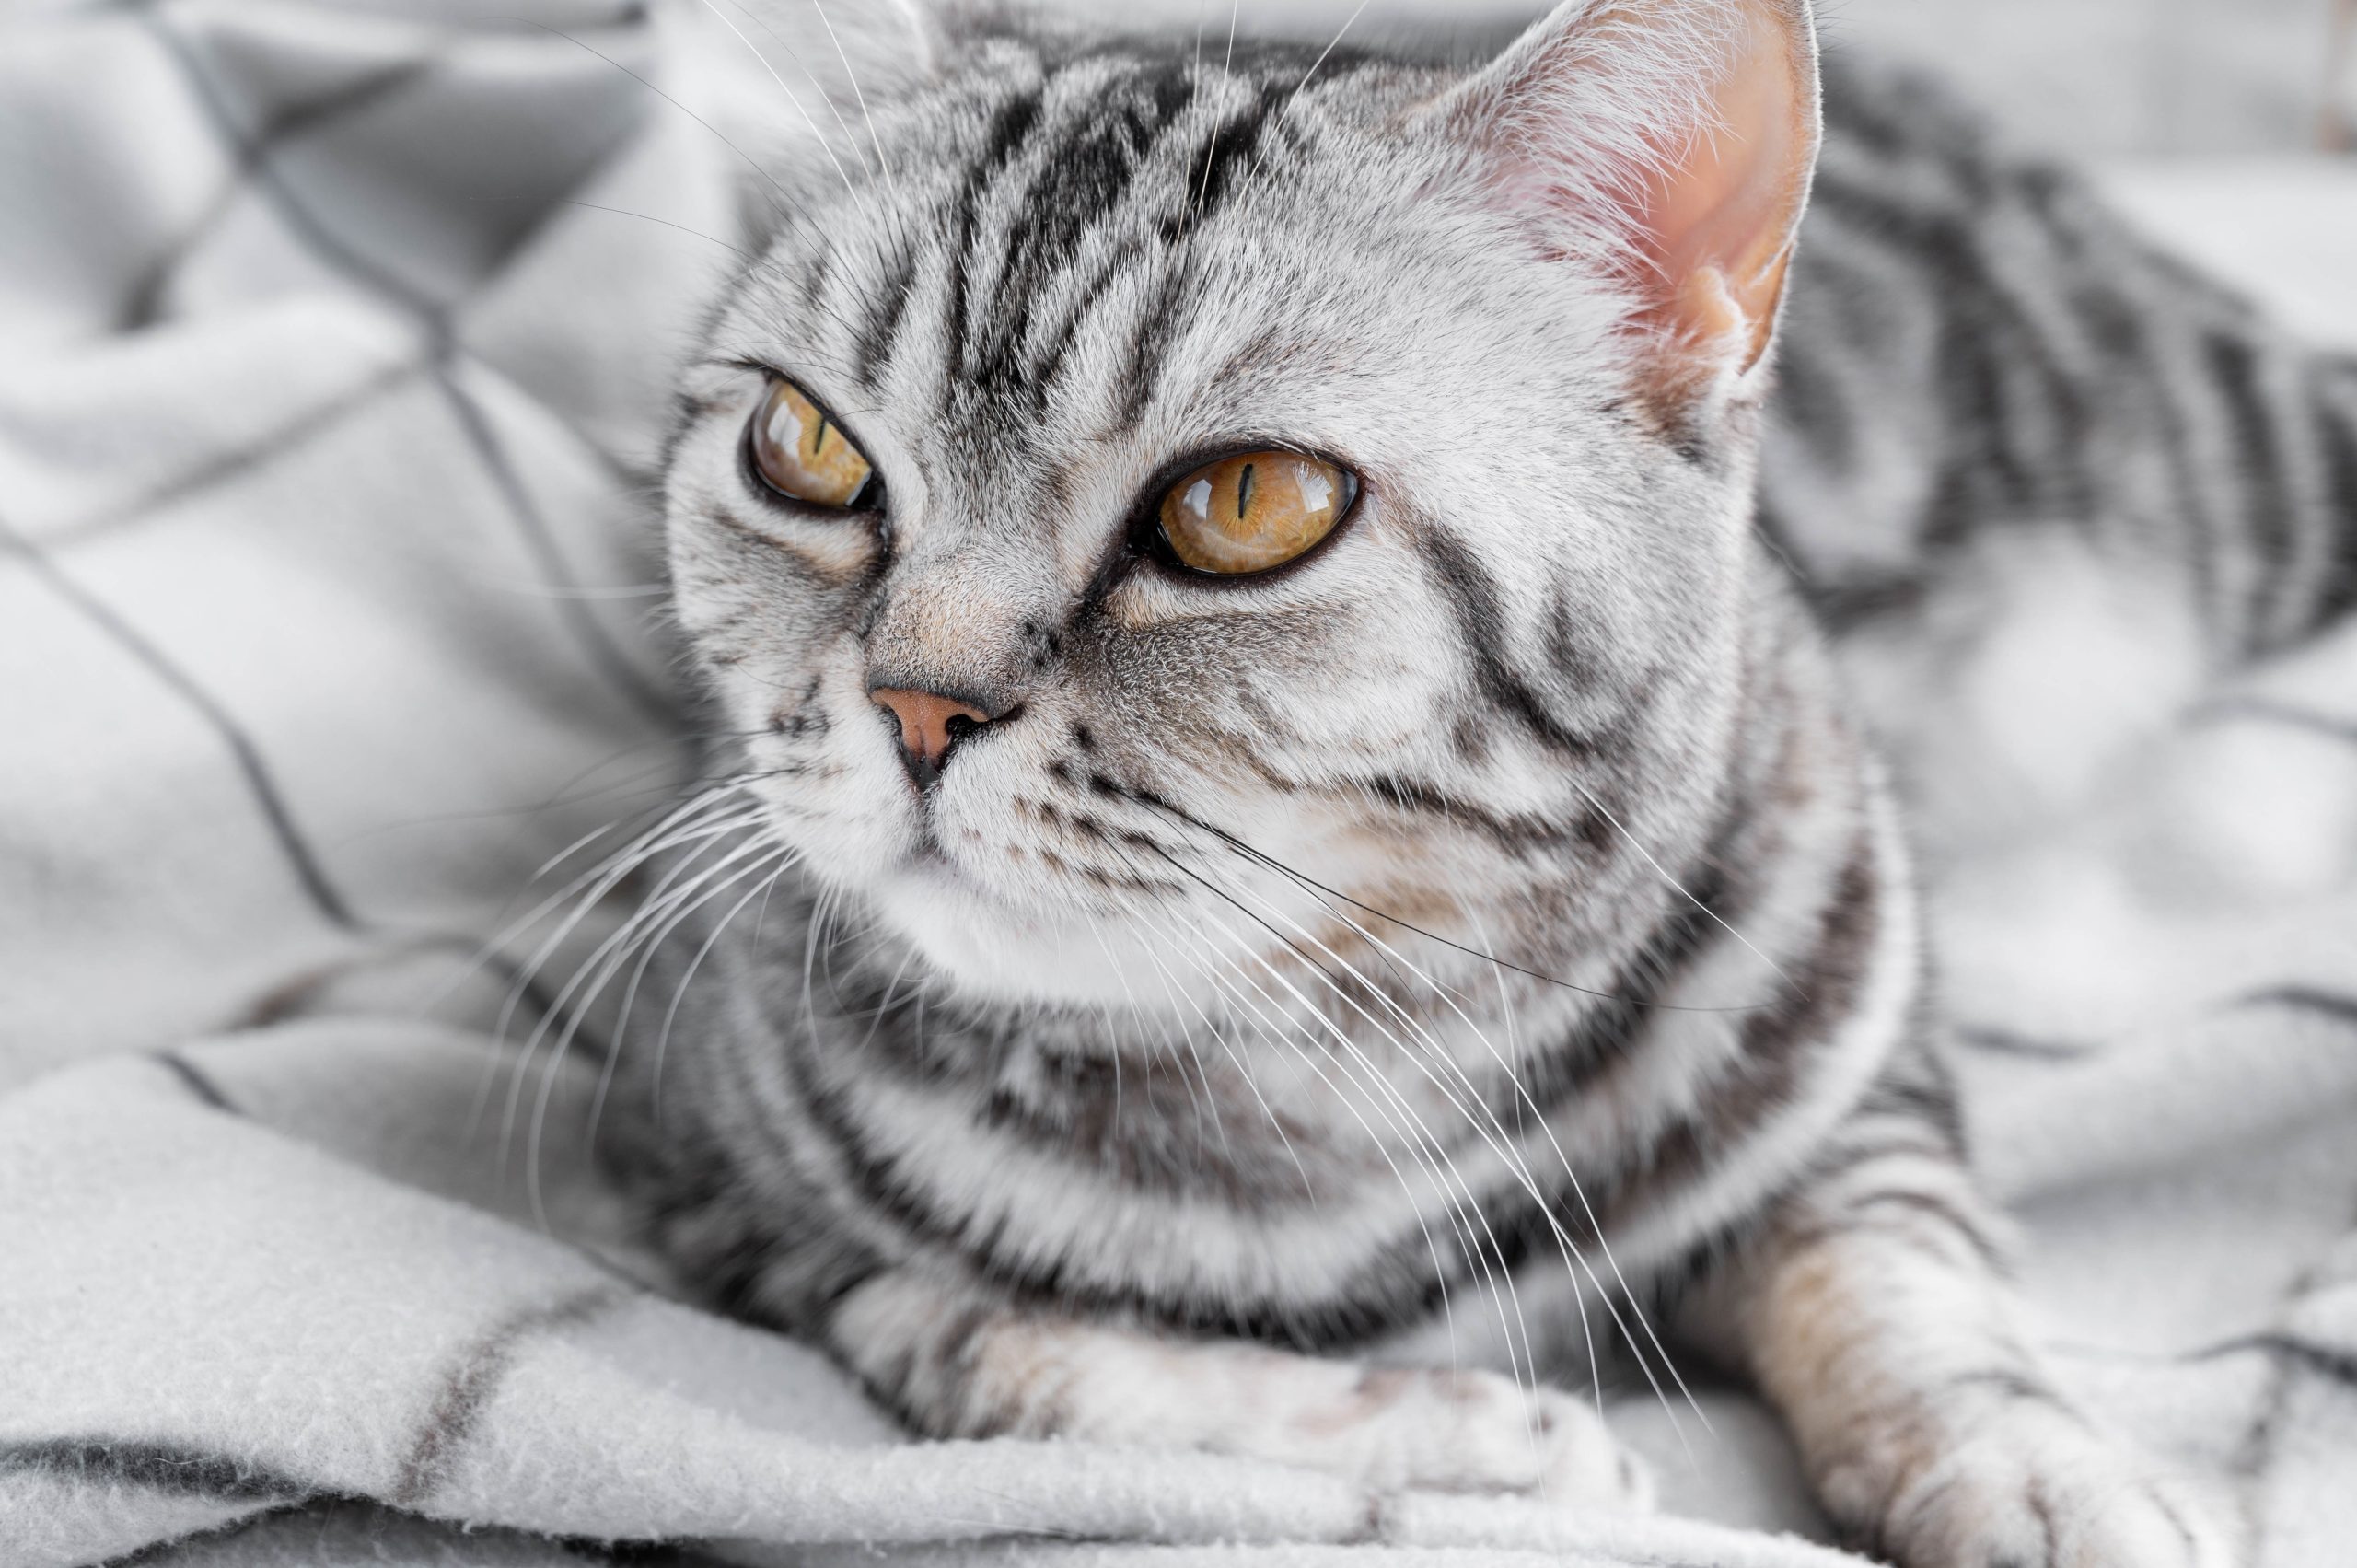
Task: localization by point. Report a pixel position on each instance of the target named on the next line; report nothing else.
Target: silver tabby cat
(1288, 821)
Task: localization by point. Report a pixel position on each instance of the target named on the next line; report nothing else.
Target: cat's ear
(1669, 141)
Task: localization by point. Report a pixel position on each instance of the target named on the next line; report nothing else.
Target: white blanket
(332, 356)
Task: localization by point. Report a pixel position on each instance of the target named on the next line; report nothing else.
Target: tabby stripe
(1012, 123)
(1982, 341)
(1393, 1283)
(888, 308)
(2255, 458)
(1777, 1047)
(1228, 147)
(1050, 364)
(1477, 606)
(1082, 182)
(1519, 834)
(1157, 328)
(2337, 417)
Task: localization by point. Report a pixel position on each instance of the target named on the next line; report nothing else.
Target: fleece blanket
(332, 349)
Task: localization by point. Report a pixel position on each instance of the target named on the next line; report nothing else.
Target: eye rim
(1147, 538)
(869, 500)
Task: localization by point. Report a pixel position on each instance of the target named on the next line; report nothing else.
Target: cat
(1287, 819)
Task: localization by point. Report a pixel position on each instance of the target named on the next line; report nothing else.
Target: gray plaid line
(533, 528)
(260, 782)
(195, 1080)
(272, 802)
(144, 302)
(2009, 1043)
(2304, 999)
(256, 159)
(523, 514)
(298, 993)
(160, 1467)
(220, 469)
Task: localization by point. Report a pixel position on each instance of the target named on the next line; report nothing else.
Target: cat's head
(1155, 502)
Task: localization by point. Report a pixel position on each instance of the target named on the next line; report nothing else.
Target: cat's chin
(990, 948)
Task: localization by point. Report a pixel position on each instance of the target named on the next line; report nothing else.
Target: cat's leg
(1875, 1313)
(957, 1364)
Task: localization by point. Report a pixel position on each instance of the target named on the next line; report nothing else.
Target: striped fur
(1491, 942)
(2005, 423)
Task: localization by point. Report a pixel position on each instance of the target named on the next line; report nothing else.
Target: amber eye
(802, 455)
(1253, 511)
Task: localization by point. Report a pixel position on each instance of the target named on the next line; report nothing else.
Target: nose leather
(930, 723)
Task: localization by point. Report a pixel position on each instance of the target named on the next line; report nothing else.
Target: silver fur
(1487, 939)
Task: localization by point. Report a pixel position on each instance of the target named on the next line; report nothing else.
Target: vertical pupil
(818, 435)
(1243, 492)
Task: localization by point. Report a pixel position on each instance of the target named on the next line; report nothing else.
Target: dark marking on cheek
(1046, 644)
(1082, 738)
(806, 719)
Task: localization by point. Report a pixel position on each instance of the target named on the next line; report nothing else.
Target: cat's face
(1493, 651)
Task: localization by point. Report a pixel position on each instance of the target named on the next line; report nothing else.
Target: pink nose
(930, 724)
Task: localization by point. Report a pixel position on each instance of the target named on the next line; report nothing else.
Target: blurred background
(2108, 78)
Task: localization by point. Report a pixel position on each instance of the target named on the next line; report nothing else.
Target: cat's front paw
(2034, 1486)
(1421, 1429)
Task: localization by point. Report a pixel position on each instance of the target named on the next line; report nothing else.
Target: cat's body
(2042, 481)
(1490, 937)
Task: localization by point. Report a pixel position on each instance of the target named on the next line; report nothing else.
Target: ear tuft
(1668, 143)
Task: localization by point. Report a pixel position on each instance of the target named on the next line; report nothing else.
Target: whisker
(1211, 150)
(629, 1005)
(1383, 1085)
(598, 970)
(1422, 1130)
(627, 213)
(754, 49)
(858, 93)
(1276, 1123)
(748, 160)
(1574, 1258)
(606, 875)
(663, 1040)
(1277, 1035)
(1675, 885)
(1260, 155)
(1238, 844)
(1438, 1161)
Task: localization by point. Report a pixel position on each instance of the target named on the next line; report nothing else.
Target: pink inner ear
(1717, 218)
